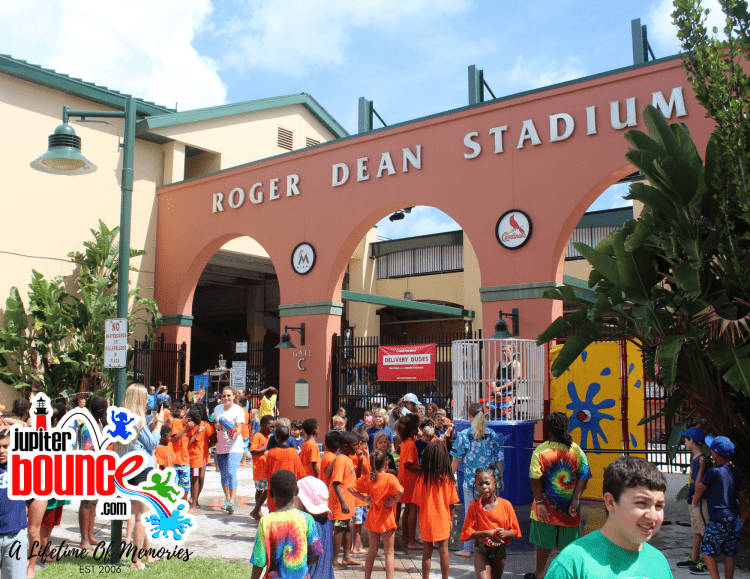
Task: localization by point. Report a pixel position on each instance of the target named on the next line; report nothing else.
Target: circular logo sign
(303, 258)
(513, 229)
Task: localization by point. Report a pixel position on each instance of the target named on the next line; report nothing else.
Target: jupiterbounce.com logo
(44, 462)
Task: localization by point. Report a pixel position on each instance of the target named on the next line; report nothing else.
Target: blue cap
(694, 433)
(722, 446)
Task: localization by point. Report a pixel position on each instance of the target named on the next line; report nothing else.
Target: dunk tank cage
(506, 376)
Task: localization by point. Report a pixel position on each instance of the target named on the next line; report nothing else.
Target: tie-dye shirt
(284, 541)
(559, 467)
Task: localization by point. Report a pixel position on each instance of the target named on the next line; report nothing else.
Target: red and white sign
(116, 343)
(513, 229)
(402, 363)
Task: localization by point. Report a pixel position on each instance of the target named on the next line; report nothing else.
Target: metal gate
(160, 363)
(659, 431)
(262, 367)
(355, 374)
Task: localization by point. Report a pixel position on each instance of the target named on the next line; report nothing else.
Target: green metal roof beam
(208, 113)
(405, 304)
(76, 87)
(432, 240)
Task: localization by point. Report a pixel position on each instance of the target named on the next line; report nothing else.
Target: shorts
(183, 476)
(722, 536)
(142, 476)
(261, 485)
(359, 516)
(549, 536)
(52, 517)
(698, 517)
(246, 442)
(341, 524)
(196, 470)
(490, 552)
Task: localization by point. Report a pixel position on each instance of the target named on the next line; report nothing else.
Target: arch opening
(236, 300)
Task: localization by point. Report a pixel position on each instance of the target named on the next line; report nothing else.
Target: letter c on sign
(299, 363)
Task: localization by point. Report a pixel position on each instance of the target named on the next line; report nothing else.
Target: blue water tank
(518, 446)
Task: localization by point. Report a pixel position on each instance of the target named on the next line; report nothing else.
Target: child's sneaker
(699, 569)
(687, 563)
(226, 504)
(230, 507)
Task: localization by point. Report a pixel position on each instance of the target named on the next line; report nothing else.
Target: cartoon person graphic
(162, 488)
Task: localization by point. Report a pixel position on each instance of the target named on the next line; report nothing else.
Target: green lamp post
(64, 157)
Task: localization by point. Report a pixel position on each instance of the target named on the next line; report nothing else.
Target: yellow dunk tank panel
(590, 393)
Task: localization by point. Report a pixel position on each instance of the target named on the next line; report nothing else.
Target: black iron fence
(159, 363)
(658, 431)
(355, 374)
(262, 366)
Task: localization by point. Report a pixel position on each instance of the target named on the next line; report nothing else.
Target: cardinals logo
(513, 229)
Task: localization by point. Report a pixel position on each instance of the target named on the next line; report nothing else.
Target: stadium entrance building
(515, 173)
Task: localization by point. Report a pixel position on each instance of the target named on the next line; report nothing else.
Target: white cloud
(531, 75)
(421, 221)
(662, 33)
(291, 36)
(141, 47)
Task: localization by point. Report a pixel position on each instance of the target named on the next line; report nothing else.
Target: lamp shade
(501, 331)
(286, 342)
(63, 156)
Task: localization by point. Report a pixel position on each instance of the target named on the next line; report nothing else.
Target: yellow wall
(44, 217)
(593, 384)
(249, 136)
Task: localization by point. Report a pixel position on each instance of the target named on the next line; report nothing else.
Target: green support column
(365, 120)
(476, 85)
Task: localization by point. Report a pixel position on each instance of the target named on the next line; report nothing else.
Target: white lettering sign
(407, 359)
(237, 196)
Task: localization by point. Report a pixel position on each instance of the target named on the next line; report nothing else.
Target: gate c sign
(405, 363)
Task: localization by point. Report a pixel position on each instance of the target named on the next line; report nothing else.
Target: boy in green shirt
(634, 498)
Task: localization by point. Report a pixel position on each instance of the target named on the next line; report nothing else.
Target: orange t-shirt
(245, 426)
(209, 432)
(328, 458)
(435, 502)
(343, 473)
(365, 473)
(406, 477)
(480, 519)
(259, 460)
(380, 518)
(309, 454)
(196, 450)
(164, 455)
(180, 446)
(283, 458)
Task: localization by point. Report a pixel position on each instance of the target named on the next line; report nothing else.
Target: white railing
(506, 376)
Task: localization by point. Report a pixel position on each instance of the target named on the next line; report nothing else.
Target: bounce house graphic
(604, 406)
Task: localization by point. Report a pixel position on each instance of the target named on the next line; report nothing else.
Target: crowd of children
(375, 479)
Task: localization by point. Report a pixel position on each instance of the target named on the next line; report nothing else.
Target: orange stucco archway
(529, 160)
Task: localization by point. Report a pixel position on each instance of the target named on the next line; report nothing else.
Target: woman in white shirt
(229, 446)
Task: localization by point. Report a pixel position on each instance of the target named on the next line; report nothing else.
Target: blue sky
(409, 58)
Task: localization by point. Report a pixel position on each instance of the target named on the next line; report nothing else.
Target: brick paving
(220, 535)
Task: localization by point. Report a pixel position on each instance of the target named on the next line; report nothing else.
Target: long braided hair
(558, 424)
(436, 463)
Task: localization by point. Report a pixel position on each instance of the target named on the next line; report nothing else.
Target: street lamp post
(64, 157)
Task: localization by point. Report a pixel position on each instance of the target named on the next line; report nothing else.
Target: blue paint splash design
(593, 426)
(633, 441)
(631, 368)
(606, 372)
(584, 355)
(637, 384)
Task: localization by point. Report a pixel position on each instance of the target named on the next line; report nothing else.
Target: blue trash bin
(517, 447)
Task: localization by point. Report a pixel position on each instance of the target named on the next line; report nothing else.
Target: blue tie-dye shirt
(284, 542)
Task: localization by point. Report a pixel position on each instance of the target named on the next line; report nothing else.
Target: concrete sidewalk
(218, 534)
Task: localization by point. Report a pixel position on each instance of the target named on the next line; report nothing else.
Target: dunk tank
(507, 377)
